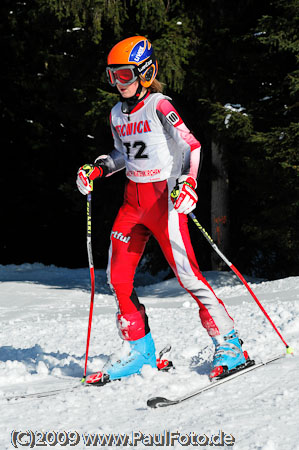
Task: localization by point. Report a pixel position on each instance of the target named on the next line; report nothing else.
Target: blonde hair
(156, 86)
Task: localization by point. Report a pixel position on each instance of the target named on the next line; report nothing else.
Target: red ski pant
(148, 210)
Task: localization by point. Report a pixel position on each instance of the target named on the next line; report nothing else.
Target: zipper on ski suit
(137, 195)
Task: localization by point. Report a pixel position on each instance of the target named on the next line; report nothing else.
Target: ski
(42, 394)
(95, 379)
(157, 402)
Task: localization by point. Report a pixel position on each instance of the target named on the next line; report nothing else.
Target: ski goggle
(123, 75)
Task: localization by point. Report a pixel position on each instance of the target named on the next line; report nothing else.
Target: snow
(234, 108)
(44, 317)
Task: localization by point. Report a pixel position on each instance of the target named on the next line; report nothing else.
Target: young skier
(159, 154)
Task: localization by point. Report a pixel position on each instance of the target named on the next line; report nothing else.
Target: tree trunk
(219, 204)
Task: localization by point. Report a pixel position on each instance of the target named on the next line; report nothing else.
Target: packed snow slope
(44, 317)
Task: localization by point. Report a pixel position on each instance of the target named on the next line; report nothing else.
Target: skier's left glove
(183, 195)
(85, 176)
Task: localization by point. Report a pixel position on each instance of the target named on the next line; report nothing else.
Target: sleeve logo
(172, 117)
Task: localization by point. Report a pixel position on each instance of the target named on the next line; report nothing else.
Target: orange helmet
(131, 58)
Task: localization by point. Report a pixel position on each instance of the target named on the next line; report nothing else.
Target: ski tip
(156, 402)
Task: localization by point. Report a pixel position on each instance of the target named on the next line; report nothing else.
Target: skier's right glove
(85, 176)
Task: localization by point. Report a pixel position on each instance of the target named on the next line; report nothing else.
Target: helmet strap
(128, 104)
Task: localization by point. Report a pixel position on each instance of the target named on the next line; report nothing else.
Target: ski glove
(85, 176)
(183, 195)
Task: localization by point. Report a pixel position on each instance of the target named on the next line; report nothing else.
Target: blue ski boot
(229, 356)
(142, 352)
(134, 330)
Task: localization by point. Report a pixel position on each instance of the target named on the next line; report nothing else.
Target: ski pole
(92, 279)
(240, 276)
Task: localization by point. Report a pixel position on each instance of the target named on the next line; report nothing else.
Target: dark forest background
(231, 68)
